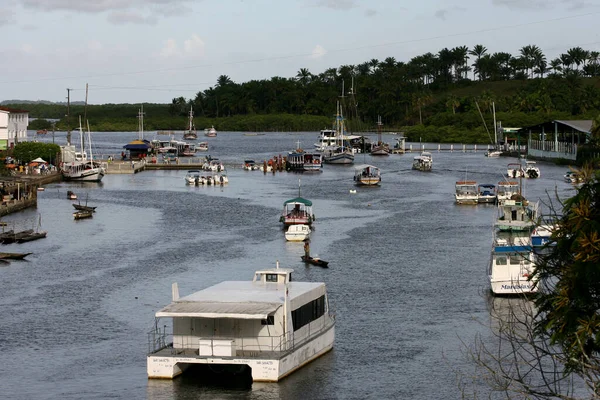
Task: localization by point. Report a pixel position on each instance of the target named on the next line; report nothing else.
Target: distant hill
(7, 102)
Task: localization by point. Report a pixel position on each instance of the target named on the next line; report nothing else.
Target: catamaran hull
(263, 369)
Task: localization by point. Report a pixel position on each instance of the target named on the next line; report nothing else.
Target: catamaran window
(269, 321)
(500, 260)
(308, 313)
(271, 278)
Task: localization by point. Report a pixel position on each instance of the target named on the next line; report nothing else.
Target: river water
(407, 277)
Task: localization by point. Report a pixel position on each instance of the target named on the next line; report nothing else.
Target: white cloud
(170, 49)
(318, 52)
(193, 46)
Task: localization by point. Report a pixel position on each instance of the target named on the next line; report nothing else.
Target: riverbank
(19, 192)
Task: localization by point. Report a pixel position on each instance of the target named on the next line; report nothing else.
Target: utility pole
(69, 116)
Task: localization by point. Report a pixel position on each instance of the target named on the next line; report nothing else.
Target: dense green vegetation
(431, 97)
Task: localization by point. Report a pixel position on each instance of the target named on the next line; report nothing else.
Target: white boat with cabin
(297, 233)
(517, 214)
(210, 132)
(511, 265)
(192, 177)
(423, 162)
(486, 193)
(506, 190)
(190, 133)
(340, 152)
(466, 192)
(267, 328)
(515, 170)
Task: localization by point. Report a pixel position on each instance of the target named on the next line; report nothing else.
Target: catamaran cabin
(270, 325)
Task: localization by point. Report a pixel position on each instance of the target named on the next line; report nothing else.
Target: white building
(13, 126)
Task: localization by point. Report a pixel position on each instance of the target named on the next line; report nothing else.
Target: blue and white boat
(486, 193)
(512, 264)
(301, 160)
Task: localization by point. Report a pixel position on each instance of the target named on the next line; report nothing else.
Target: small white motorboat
(297, 233)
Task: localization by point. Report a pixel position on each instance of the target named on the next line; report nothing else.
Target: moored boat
(82, 214)
(190, 133)
(297, 233)
(506, 189)
(210, 132)
(531, 170)
(466, 192)
(423, 162)
(367, 175)
(265, 328)
(511, 265)
(517, 214)
(486, 193)
(301, 160)
(297, 211)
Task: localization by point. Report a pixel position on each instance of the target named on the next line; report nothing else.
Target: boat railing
(162, 340)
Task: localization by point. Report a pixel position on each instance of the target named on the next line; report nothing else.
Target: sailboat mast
(85, 118)
(141, 123)
(69, 116)
(495, 127)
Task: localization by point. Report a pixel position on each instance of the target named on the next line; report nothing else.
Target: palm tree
(577, 55)
(478, 51)
(453, 102)
(461, 59)
(556, 66)
(304, 76)
(223, 80)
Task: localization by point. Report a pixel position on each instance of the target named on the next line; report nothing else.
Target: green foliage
(569, 298)
(27, 151)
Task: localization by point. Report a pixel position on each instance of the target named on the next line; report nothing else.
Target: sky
(133, 51)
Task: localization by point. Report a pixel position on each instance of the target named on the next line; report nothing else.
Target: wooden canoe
(315, 261)
(13, 256)
(32, 236)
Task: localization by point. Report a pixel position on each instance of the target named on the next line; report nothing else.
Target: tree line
(434, 97)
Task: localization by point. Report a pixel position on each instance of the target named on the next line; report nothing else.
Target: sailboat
(380, 149)
(495, 152)
(340, 152)
(76, 164)
(190, 133)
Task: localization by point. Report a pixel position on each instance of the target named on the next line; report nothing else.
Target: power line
(290, 56)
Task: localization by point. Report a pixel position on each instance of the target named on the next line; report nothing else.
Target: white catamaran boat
(76, 166)
(266, 328)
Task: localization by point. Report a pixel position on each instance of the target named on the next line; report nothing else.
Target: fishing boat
(300, 160)
(71, 195)
(265, 328)
(13, 237)
(423, 162)
(340, 152)
(486, 193)
(297, 211)
(32, 236)
(82, 214)
(506, 189)
(466, 192)
(327, 138)
(81, 207)
(511, 265)
(190, 132)
(76, 165)
(367, 175)
(380, 148)
(13, 256)
(297, 233)
(210, 132)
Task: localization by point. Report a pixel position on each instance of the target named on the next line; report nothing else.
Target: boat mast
(141, 123)
(379, 124)
(495, 127)
(69, 116)
(191, 122)
(85, 118)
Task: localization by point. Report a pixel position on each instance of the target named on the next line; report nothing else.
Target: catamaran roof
(363, 166)
(241, 299)
(301, 200)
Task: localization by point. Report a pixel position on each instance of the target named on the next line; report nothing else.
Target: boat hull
(264, 369)
(507, 287)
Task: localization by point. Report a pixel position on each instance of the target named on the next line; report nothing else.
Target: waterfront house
(13, 126)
